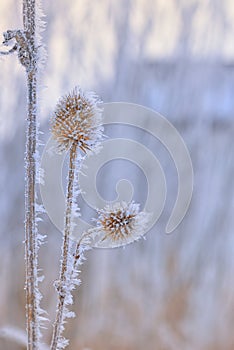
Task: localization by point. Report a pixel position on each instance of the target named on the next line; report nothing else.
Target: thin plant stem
(13, 49)
(77, 251)
(77, 255)
(62, 283)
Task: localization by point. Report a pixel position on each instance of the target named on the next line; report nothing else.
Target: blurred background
(167, 292)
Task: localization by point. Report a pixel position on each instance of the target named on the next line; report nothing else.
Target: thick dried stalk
(63, 278)
(30, 191)
(30, 231)
(26, 47)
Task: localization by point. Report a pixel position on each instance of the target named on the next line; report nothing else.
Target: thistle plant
(118, 224)
(121, 223)
(77, 128)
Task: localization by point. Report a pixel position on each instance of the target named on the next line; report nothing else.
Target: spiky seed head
(122, 223)
(78, 119)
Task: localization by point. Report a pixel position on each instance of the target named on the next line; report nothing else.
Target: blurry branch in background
(26, 45)
(17, 336)
(14, 334)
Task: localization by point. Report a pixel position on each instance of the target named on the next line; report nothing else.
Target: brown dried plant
(76, 126)
(26, 42)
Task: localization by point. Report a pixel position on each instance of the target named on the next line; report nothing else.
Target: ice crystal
(78, 119)
(122, 223)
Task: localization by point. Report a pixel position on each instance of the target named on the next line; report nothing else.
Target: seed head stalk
(76, 125)
(63, 277)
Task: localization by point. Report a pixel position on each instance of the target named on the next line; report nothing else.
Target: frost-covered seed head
(78, 119)
(122, 223)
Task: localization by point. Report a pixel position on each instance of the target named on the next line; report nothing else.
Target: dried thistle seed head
(122, 223)
(78, 119)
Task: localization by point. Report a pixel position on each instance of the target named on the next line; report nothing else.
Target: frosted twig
(12, 50)
(30, 194)
(84, 243)
(27, 52)
(63, 278)
(25, 43)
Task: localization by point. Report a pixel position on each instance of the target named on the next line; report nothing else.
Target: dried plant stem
(30, 231)
(62, 283)
(86, 236)
(30, 191)
(77, 254)
(26, 46)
